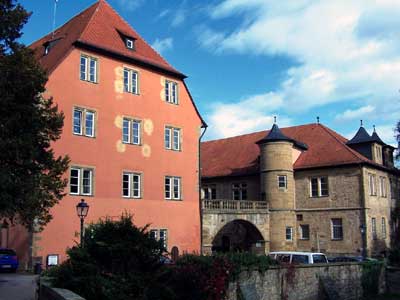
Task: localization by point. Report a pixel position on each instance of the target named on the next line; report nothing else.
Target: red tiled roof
(239, 155)
(99, 26)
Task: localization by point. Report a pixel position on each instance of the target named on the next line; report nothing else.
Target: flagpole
(54, 17)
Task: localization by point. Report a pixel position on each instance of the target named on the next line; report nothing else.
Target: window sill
(337, 240)
(317, 197)
(176, 104)
(81, 195)
(173, 150)
(304, 239)
(177, 200)
(126, 143)
(88, 81)
(131, 198)
(83, 135)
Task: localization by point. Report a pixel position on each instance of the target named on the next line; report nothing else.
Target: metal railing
(234, 205)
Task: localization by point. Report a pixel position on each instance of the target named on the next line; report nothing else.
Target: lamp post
(363, 250)
(82, 209)
(5, 226)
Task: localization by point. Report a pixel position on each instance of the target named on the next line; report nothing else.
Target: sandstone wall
(308, 282)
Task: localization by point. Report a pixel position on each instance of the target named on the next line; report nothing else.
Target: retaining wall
(306, 282)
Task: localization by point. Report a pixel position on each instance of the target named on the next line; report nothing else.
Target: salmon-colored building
(131, 130)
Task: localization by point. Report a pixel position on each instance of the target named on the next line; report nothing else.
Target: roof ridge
(91, 17)
(354, 153)
(64, 24)
(255, 132)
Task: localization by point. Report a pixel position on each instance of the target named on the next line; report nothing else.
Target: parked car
(8, 260)
(292, 257)
(350, 259)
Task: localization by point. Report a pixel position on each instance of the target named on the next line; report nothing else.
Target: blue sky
(248, 60)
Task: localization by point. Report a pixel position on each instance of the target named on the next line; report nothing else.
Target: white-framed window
(171, 92)
(172, 188)
(160, 235)
(130, 81)
(373, 228)
(382, 187)
(154, 234)
(131, 185)
(164, 237)
(88, 68)
(210, 192)
(81, 181)
(131, 131)
(337, 229)
(319, 186)
(83, 122)
(282, 182)
(304, 231)
(172, 138)
(130, 43)
(289, 233)
(383, 224)
(372, 184)
(239, 191)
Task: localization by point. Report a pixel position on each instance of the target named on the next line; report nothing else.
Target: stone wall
(307, 282)
(46, 292)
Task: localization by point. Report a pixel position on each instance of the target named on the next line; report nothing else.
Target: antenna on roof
(274, 119)
(361, 123)
(374, 128)
(317, 120)
(54, 18)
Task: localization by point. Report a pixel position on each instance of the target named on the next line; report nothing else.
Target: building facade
(302, 188)
(131, 130)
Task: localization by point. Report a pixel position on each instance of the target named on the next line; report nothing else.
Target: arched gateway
(235, 226)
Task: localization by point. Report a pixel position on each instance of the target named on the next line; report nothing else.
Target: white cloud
(130, 5)
(346, 50)
(161, 45)
(352, 114)
(178, 18)
(248, 115)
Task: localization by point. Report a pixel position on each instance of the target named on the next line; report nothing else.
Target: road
(17, 286)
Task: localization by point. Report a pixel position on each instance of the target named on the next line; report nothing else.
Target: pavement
(15, 286)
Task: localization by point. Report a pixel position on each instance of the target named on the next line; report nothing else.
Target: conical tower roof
(361, 136)
(275, 134)
(375, 138)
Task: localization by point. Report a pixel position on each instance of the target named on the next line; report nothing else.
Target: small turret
(277, 186)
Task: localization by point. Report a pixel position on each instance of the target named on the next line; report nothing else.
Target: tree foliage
(30, 174)
(117, 261)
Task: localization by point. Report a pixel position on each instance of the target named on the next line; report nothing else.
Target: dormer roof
(361, 136)
(375, 138)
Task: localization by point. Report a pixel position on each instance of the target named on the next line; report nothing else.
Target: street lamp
(5, 226)
(363, 250)
(82, 209)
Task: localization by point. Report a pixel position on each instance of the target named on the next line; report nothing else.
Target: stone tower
(277, 153)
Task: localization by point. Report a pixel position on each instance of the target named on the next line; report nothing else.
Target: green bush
(370, 278)
(118, 261)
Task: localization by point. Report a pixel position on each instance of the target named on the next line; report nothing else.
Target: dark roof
(361, 136)
(239, 155)
(375, 138)
(275, 134)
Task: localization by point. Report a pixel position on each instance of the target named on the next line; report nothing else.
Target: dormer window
(130, 43)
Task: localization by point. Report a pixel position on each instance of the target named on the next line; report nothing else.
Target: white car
(292, 257)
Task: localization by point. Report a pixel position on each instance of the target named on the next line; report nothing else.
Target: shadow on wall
(379, 248)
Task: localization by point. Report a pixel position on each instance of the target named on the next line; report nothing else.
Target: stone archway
(239, 236)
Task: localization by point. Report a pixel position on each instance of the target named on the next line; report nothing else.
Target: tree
(30, 175)
(398, 140)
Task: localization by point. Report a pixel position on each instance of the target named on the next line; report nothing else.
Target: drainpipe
(199, 180)
(363, 216)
